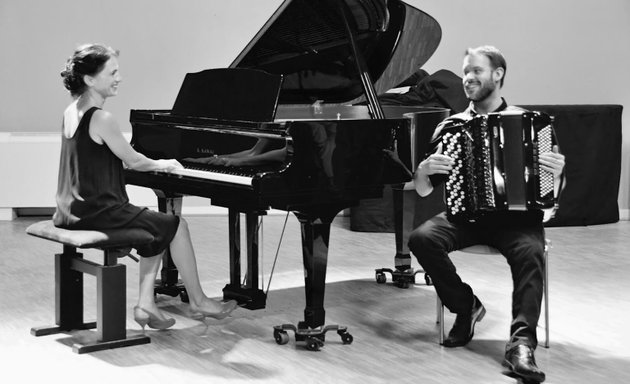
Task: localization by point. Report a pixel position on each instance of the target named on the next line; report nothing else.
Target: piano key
(209, 175)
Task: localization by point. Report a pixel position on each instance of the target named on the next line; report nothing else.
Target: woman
(91, 189)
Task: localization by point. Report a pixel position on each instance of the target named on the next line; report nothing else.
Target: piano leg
(248, 294)
(403, 275)
(170, 284)
(315, 240)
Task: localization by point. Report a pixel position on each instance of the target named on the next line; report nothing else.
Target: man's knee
(421, 243)
(529, 257)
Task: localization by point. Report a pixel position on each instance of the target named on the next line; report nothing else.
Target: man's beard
(484, 91)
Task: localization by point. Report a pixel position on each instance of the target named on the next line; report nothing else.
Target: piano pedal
(312, 337)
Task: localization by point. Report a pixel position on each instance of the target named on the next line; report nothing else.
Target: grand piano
(295, 124)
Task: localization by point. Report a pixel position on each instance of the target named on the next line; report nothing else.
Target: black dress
(91, 192)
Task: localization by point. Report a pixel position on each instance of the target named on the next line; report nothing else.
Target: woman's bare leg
(183, 256)
(148, 271)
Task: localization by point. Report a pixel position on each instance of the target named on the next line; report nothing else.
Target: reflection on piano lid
(307, 42)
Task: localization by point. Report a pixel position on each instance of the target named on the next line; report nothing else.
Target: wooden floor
(395, 335)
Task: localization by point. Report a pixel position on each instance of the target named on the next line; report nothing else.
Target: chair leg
(546, 294)
(440, 319)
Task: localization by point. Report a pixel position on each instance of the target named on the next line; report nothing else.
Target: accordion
(496, 164)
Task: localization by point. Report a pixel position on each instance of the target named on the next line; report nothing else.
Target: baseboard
(7, 214)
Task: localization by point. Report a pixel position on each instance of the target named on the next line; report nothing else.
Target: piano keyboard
(211, 175)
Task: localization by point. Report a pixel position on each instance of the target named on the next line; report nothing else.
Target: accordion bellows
(496, 164)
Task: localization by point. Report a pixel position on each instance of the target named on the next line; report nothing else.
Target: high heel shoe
(144, 317)
(226, 309)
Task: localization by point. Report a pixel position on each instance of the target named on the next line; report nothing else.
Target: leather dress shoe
(520, 360)
(464, 326)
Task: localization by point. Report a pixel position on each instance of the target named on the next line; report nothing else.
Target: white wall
(558, 52)
(159, 42)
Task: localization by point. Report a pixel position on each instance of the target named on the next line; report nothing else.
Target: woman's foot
(145, 317)
(214, 309)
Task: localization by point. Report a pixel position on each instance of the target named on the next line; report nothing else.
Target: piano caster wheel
(381, 278)
(346, 338)
(427, 279)
(281, 337)
(403, 283)
(314, 344)
(184, 296)
(312, 337)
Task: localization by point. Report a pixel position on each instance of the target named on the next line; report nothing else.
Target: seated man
(518, 235)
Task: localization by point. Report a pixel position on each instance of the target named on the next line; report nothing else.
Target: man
(518, 235)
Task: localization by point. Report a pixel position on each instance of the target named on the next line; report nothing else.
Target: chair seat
(481, 249)
(102, 238)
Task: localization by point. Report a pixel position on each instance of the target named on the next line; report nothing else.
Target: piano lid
(306, 41)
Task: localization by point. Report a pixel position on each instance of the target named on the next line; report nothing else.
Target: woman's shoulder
(102, 116)
(102, 125)
(102, 119)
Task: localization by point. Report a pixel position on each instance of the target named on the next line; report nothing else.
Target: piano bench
(111, 283)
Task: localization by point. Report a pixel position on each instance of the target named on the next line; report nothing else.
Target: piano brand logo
(205, 151)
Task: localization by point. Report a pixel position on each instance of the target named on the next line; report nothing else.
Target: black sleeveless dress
(91, 192)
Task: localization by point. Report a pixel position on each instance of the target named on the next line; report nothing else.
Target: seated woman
(91, 188)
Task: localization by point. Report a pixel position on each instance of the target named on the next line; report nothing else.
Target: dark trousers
(522, 247)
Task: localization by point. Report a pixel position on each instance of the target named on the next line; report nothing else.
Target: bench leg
(68, 296)
(100, 346)
(112, 300)
(111, 288)
(111, 303)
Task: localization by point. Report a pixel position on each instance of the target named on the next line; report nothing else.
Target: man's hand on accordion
(436, 163)
(552, 161)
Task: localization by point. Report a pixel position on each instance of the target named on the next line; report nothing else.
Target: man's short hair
(493, 54)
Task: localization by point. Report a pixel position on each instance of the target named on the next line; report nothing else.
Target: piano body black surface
(316, 153)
